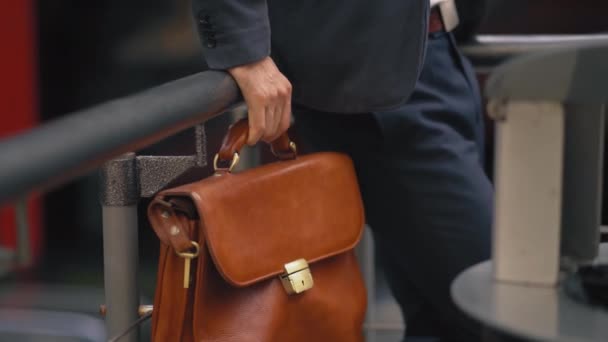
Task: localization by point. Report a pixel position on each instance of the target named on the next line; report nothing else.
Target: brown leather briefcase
(263, 255)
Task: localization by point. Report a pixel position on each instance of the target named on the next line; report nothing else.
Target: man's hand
(268, 96)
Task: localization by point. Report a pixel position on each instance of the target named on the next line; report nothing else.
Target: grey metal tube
(24, 253)
(120, 269)
(491, 50)
(569, 75)
(510, 45)
(119, 197)
(63, 149)
(583, 173)
(369, 275)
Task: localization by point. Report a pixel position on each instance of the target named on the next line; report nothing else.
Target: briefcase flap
(256, 221)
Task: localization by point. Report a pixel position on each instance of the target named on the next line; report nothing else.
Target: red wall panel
(18, 100)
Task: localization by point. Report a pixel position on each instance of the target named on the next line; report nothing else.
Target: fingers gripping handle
(236, 138)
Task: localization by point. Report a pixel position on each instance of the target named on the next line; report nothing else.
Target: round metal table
(515, 312)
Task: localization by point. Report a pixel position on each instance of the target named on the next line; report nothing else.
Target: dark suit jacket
(340, 55)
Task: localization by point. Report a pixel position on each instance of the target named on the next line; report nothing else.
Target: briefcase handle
(236, 137)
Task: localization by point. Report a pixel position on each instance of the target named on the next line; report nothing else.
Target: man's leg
(449, 197)
(426, 196)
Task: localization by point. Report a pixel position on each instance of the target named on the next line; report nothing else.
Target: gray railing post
(119, 197)
(23, 251)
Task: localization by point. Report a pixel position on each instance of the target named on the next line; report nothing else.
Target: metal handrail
(491, 50)
(61, 150)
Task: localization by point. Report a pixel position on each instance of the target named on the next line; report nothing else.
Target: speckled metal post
(119, 185)
(124, 181)
(201, 146)
(156, 172)
(119, 197)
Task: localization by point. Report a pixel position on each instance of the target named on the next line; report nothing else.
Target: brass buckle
(285, 154)
(233, 163)
(293, 147)
(297, 277)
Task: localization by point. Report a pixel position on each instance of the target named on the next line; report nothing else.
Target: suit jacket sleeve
(232, 32)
